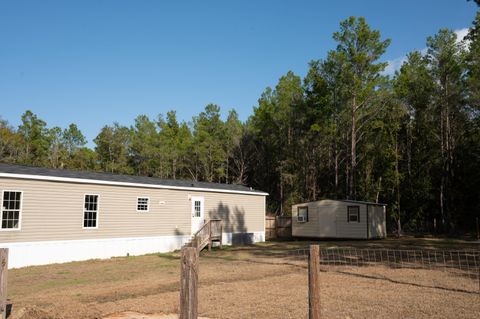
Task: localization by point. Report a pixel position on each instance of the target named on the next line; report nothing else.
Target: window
(90, 212)
(353, 213)
(302, 215)
(197, 208)
(11, 209)
(142, 204)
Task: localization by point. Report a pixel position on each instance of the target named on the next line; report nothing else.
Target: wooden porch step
(211, 231)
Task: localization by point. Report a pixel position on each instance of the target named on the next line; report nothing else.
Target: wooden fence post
(314, 282)
(189, 283)
(3, 281)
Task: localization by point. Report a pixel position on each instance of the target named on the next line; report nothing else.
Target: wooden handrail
(211, 230)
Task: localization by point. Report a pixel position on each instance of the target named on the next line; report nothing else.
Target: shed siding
(321, 219)
(377, 222)
(329, 219)
(54, 211)
(353, 229)
(306, 229)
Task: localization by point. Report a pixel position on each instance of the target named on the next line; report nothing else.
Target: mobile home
(54, 215)
(339, 219)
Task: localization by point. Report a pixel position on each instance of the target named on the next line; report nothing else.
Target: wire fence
(454, 270)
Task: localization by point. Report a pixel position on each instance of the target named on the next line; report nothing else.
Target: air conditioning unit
(301, 219)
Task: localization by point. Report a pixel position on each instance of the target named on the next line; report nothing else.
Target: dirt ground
(268, 280)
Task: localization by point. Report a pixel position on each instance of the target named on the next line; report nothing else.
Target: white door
(198, 214)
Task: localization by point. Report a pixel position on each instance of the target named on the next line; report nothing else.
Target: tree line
(345, 130)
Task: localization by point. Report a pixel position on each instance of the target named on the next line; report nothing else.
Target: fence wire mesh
(449, 269)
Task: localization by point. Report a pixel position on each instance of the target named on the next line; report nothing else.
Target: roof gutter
(126, 184)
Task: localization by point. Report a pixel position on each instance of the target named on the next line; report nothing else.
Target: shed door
(198, 213)
(327, 224)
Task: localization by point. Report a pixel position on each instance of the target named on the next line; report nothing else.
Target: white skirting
(49, 252)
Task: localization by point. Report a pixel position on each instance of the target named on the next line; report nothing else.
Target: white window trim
(148, 205)
(20, 211)
(83, 211)
(202, 206)
(305, 220)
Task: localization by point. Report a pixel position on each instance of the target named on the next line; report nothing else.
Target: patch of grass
(168, 256)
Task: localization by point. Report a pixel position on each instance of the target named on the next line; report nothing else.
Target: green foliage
(112, 148)
(34, 133)
(175, 141)
(356, 70)
(473, 65)
(344, 130)
(143, 147)
(208, 151)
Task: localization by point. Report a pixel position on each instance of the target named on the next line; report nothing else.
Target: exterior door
(198, 214)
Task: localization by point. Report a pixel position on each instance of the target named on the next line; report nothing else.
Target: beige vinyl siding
(305, 229)
(321, 220)
(240, 213)
(352, 229)
(329, 219)
(54, 211)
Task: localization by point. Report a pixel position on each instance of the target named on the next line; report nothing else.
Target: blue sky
(96, 62)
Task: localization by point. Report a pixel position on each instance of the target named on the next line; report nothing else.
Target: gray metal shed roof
(346, 201)
(361, 202)
(24, 171)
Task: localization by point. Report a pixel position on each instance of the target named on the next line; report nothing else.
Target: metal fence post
(189, 283)
(3, 281)
(314, 282)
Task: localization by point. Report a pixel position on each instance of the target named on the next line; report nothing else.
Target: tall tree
(73, 139)
(56, 151)
(473, 64)
(175, 140)
(274, 123)
(235, 150)
(414, 88)
(324, 128)
(11, 143)
(208, 136)
(446, 54)
(112, 148)
(144, 148)
(34, 132)
(358, 50)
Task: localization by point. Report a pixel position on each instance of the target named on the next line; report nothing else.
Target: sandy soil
(240, 282)
(136, 315)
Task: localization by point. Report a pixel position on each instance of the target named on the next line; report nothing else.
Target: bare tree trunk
(226, 172)
(281, 194)
(174, 168)
(336, 169)
(397, 182)
(445, 151)
(353, 152)
(314, 177)
(379, 187)
(347, 177)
